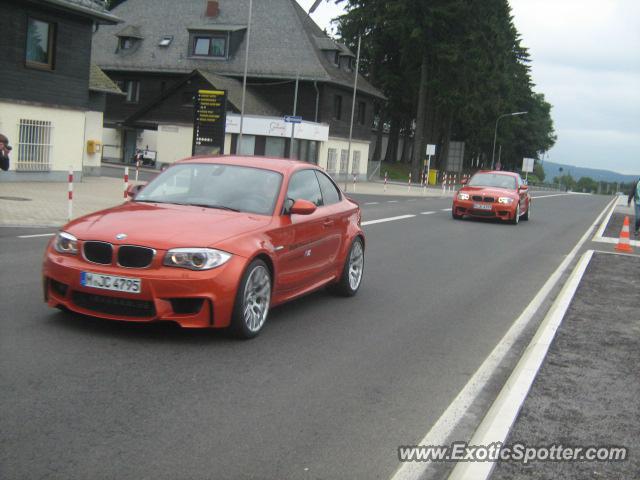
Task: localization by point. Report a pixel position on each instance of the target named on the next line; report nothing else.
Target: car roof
(282, 165)
(499, 172)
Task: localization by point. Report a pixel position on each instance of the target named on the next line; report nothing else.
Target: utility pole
(353, 107)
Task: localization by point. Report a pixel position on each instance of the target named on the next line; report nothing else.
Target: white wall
(92, 131)
(343, 144)
(173, 143)
(68, 146)
(111, 143)
(147, 138)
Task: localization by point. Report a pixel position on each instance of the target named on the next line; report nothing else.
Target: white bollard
(126, 181)
(70, 195)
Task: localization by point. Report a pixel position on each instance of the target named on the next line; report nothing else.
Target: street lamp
(495, 132)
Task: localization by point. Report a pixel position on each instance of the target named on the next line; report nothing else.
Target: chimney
(213, 9)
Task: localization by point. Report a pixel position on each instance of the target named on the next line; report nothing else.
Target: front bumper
(189, 298)
(493, 210)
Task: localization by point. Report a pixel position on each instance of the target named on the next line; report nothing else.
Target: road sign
(431, 149)
(292, 119)
(527, 165)
(209, 123)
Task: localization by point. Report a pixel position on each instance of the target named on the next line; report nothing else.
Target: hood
(164, 226)
(489, 191)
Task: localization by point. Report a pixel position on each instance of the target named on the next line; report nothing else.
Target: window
(304, 186)
(362, 112)
(337, 107)
(132, 90)
(332, 156)
(355, 164)
(34, 146)
(274, 147)
(343, 161)
(248, 146)
(330, 193)
(336, 59)
(209, 46)
(125, 43)
(40, 44)
(166, 41)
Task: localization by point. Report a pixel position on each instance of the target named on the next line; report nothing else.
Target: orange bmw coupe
(210, 242)
(493, 194)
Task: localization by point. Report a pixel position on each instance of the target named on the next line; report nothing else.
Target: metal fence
(34, 145)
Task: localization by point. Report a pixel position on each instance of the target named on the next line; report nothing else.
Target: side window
(330, 193)
(304, 186)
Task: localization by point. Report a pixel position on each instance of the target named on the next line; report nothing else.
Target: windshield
(228, 187)
(493, 180)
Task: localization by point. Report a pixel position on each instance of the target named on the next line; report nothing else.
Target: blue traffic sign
(292, 119)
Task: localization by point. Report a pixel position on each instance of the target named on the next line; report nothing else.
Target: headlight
(507, 200)
(196, 258)
(463, 196)
(65, 243)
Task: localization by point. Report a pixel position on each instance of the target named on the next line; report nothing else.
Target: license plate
(110, 282)
(481, 206)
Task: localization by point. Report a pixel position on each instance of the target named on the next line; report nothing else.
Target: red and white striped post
(70, 195)
(444, 182)
(409, 186)
(126, 181)
(424, 183)
(137, 169)
(354, 182)
(385, 180)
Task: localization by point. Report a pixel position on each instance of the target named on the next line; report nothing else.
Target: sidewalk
(46, 204)
(586, 392)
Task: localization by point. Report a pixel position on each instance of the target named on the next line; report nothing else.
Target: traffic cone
(623, 244)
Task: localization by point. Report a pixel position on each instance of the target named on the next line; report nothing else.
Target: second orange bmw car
(493, 194)
(210, 242)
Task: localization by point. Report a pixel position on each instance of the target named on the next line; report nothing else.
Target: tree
(587, 185)
(538, 171)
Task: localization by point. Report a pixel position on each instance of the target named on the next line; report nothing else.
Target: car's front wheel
(351, 277)
(516, 217)
(527, 215)
(252, 301)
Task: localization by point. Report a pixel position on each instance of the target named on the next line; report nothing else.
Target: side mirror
(302, 207)
(132, 190)
(523, 188)
(464, 181)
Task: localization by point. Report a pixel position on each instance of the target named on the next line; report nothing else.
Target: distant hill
(552, 170)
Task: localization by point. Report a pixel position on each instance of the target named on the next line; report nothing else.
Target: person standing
(635, 196)
(4, 152)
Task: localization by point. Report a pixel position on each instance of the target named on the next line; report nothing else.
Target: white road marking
(427, 213)
(606, 221)
(372, 203)
(392, 201)
(412, 200)
(633, 243)
(499, 420)
(446, 209)
(555, 195)
(39, 235)
(389, 219)
(449, 419)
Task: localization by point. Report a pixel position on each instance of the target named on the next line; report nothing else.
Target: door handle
(327, 223)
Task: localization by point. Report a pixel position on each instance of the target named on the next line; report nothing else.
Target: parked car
(493, 194)
(210, 242)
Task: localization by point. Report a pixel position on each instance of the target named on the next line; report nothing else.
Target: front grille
(480, 198)
(58, 288)
(483, 213)
(125, 307)
(186, 305)
(135, 257)
(98, 252)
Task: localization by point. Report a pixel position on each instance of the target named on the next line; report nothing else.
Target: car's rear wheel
(352, 271)
(516, 217)
(527, 215)
(252, 301)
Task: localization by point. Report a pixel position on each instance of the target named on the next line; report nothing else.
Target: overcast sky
(586, 60)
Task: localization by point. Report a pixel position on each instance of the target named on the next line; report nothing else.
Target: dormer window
(209, 45)
(126, 43)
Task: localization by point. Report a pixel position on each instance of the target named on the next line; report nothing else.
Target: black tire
(516, 217)
(344, 286)
(525, 217)
(455, 217)
(240, 325)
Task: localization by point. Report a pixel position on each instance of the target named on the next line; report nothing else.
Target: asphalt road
(330, 388)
